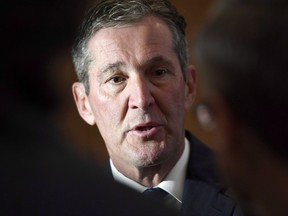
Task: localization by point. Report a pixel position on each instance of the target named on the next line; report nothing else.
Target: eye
(160, 72)
(116, 80)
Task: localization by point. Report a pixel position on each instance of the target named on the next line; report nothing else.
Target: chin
(146, 159)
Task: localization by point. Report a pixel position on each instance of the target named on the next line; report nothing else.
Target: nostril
(143, 102)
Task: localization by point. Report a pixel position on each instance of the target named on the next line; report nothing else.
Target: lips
(145, 132)
(145, 127)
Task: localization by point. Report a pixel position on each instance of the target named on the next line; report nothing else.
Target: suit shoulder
(201, 165)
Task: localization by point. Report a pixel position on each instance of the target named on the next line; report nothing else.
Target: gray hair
(112, 13)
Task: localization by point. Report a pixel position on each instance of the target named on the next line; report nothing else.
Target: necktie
(160, 195)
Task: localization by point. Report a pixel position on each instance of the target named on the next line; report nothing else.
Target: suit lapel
(203, 194)
(201, 199)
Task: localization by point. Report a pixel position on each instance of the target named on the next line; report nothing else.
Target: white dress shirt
(173, 183)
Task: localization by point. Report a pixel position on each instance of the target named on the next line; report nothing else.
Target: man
(40, 174)
(242, 54)
(135, 85)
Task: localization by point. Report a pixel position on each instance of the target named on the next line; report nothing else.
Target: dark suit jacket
(203, 194)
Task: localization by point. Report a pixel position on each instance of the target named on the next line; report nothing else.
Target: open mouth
(144, 128)
(145, 131)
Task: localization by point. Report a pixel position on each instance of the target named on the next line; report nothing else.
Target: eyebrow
(154, 60)
(113, 66)
(159, 59)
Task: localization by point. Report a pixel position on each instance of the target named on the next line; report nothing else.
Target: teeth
(144, 128)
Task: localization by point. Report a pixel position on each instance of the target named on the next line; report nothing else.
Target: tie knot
(159, 195)
(155, 193)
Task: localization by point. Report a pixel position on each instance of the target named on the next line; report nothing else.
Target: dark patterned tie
(160, 195)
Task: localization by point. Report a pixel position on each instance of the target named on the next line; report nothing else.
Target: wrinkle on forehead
(135, 42)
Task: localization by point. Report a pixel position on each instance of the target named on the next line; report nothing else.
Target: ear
(82, 103)
(217, 119)
(190, 87)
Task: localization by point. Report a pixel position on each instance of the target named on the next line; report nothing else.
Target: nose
(140, 94)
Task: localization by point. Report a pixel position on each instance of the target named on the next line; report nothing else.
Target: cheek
(103, 106)
(102, 109)
(175, 99)
(173, 106)
(105, 114)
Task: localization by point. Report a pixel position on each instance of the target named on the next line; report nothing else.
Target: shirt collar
(173, 183)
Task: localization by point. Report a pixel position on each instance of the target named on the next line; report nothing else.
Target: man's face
(138, 96)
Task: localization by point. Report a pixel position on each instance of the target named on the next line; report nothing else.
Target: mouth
(146, 129)
(146, 126)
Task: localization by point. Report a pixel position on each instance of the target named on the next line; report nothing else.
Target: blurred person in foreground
(135, 85)
(40, 174)
(242, 56)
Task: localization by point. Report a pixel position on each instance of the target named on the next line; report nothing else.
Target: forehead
(147, 38)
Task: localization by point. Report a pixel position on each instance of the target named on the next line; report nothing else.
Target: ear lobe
(190, 87)
(82, 103)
